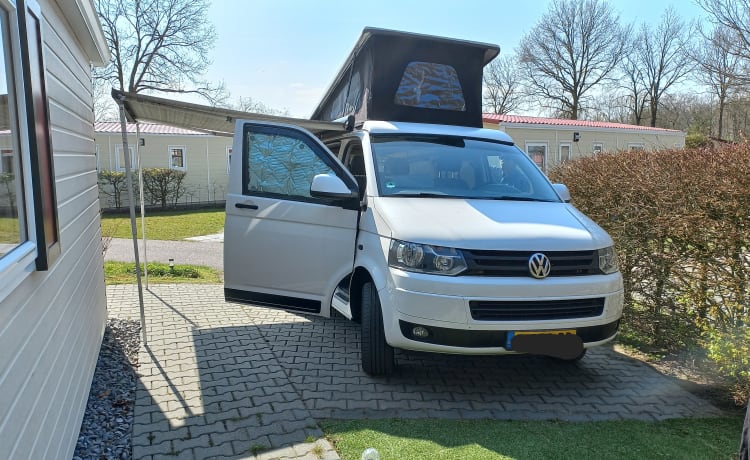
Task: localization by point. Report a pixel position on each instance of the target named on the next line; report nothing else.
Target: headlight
(423, 258)
(608, 260)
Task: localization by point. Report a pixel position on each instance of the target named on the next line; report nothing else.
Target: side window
(13, 228)
(564, 153)
(120, 157)
(355, 163)
(636, 147)
(29, 230)
(177, 157)
(280, 164)
(538, 152)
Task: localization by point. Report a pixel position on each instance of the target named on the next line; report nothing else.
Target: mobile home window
(120, 157)
(13, 225)
(598, 147)
(177, 157)
(29, 231)
(537, 151)
(564, 153)
(229, 159)
(636, 147)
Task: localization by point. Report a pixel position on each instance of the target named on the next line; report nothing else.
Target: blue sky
(285, 53)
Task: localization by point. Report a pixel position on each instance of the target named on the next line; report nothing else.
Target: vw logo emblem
(539, 266)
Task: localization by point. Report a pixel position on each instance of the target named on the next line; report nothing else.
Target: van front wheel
(377, 355)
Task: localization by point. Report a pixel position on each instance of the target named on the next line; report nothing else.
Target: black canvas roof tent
(400, 76)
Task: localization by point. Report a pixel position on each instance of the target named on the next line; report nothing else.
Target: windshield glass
(456, 167)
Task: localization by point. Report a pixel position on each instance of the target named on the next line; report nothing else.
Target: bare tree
(158, 46)
(633, 82)
(663, 56)
(689, 112)
(610, 104)
(735, 16)
(248, 104)
(502, 85)
(719, 67)
(573, 48)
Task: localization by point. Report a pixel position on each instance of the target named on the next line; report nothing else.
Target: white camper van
(432, 233)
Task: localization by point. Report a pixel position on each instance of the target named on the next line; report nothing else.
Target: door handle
(246, 206)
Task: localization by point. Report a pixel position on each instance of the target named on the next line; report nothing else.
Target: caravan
(432, 233)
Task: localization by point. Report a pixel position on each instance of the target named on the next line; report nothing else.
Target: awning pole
(131, 202)
(143, 207)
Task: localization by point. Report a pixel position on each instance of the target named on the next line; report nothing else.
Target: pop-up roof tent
(399, 76)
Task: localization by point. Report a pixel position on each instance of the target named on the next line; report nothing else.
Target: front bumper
(436, 303)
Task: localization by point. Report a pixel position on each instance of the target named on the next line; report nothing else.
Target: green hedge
(681, 223)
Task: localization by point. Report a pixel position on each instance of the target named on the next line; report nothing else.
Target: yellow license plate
(560, 332)
(510, 335)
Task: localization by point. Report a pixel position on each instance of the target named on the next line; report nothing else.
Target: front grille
(516, 263)
(482, 310)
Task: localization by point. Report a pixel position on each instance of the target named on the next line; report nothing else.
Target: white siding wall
(51, 326)
(612, 140)
(205, 161)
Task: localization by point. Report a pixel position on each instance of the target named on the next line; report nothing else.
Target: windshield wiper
(427, 195)
(514, 198)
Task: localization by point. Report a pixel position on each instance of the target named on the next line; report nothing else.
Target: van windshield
(456, 167)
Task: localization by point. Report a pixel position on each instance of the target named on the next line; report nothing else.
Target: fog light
(420, 332)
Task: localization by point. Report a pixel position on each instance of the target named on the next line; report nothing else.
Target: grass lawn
(715, 438)
(166, 225)
(9, 230)
(124, 273)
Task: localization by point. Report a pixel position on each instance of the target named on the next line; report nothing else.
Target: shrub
(114, 184)
(163, 186)
(697, 140)
(8, 188)
(681, 224)
(730, 351)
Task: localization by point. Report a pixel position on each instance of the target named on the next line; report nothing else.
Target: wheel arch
(360, 276)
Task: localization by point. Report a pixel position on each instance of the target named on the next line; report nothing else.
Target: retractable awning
(216, 120)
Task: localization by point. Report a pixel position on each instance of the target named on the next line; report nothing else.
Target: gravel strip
(108, 422)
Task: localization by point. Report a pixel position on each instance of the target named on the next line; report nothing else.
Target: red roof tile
(497, 119)
(145, 128)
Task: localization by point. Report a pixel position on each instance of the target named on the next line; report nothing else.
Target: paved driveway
(221, 379)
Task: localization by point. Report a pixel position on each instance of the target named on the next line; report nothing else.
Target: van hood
(488, 224)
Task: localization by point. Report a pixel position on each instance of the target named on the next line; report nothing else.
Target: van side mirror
(562, 191)
(331, 186)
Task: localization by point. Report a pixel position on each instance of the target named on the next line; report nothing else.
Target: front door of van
(284, 247)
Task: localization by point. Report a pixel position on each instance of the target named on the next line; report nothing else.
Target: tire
(377, 355)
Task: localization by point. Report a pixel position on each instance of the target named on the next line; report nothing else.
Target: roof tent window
(429, 85)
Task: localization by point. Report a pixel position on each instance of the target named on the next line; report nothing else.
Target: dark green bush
(114, 184)
(163, 186)
(681, 223)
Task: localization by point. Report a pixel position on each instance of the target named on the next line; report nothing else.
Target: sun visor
(398, 76)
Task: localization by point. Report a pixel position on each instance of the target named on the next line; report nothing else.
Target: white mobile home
(203, 156)
(549, 141)
(52, 296)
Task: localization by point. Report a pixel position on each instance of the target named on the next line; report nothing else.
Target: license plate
(509, 336)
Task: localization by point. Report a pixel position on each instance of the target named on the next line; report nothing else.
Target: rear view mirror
(330, 186)
(562, 191)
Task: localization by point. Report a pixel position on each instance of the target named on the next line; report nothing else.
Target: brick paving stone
(225, 375)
